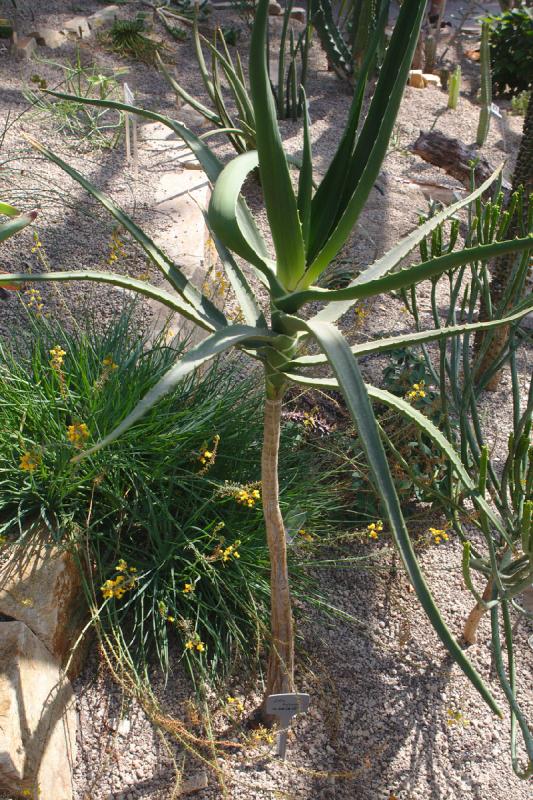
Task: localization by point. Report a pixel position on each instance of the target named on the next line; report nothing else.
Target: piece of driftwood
(453, 156)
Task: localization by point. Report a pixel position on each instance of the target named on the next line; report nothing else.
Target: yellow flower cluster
(306, 536)
(125, 580)
(195, 644)
(78, 433)
(109, 364)
(260, 735)
(58, 356)
(34, 300)
(188, 588)
(439, 535)
(207, 455)
(248, 498)
(374, 529)
(29, 461)
(417, 392)
(235, 704)
(309, 419)
(231, 551)
(37, 243)
(116, 248)
(456, 717)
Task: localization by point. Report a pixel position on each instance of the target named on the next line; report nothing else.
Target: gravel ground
(382, 690)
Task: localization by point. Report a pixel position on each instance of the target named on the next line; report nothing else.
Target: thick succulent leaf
(9, 211)
(15, 224)
(326, 202)
(243, 291)
(407, 277)
(218, 342)
(239, 89)
(231, 226)
(177, 279)
(353, 388)
(172, 301)
(280, 201)
(370, 150)
(392, 258)
(188, 98)
(421, 337)
(305, 182)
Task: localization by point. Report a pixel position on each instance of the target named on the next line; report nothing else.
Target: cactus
(486, 87)
(455, 88)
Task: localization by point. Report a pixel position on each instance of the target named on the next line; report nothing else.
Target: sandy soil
(382, 690)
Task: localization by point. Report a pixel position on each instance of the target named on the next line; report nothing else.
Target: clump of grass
(170, 516)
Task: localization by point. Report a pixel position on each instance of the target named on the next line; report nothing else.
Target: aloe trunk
(280, 675)
(503, 266)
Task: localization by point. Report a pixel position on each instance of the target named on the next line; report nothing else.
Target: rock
(193, 784)
(274, 8)
(431, 80)
(78, 26)
(48, 37)
(38, 730)
(40, 585)
(299, 14)
(416, 79)
(103, 17)
(23, 47)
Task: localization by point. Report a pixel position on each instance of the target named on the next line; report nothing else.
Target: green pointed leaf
(231, 226)
(405, 278)
(370, 150)
(188, 98)
(8, 211)
(172, 301)
(305, 183)
(279, 196)
(422, 337)
(204, 307)
(218, 342)
(351, 384)
(390, 260)
(16, 224)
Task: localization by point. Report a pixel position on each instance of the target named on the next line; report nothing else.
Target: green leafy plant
(347, 32)
(519, 103)
(96, 125)
(171, 510)
(308, 230)
(511, 47)
(127, 38)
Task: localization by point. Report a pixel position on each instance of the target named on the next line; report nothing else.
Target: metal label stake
(131, 119)
(285, 707)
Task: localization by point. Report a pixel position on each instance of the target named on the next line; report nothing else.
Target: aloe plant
(15, 223)
(308, 229)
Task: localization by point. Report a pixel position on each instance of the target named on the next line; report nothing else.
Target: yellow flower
(236, 704)
(207, 456)
(231, 551)
(109, 363)
(189, 645)
(200, 646)
(29, 461)
(439, 534)
(78, 433)
(125, 581)
(58, 356)
(417, 392)
(374, 529)
(188, 588)
(306, 536)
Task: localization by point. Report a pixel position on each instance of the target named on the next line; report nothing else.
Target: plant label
(285, 707)
(494, 109)
(131, 143)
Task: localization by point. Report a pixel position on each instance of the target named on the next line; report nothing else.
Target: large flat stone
(37, 718)
(40, 585)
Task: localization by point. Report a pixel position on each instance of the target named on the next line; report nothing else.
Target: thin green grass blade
(353, 388)
(173, 302)
(218, 342)
(279, 196)
(173, 274)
